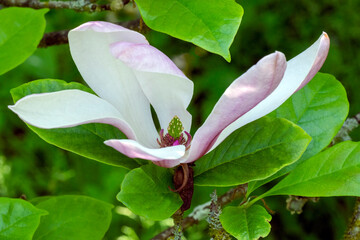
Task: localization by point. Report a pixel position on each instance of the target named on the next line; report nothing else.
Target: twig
(344, 133)
(202, 211)
(79, 6)
(54, 38)
(61, 37)
(353, 230)
(178, 233)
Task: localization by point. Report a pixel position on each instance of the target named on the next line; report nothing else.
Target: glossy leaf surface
(21, 30)
(73, 217)
(334, 172)
(18, 219)
(145, 191)
(246, 223)
(205, 23)
(255, 151)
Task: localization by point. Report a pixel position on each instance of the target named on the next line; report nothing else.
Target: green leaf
(18, 219)
(334, 172)
(206, 23)
(246, 223)
(86, 140)
(253, 152)
(73, 217)
(21, 30)
(145, 191)
(320, 108)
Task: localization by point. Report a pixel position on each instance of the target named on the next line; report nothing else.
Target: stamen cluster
(168, 141)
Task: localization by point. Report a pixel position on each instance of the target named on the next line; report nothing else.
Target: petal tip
(12, 108)
(325, 35)
(325, 40)
(98, 26)
(280, 57)
(279, 60)
(275, 56)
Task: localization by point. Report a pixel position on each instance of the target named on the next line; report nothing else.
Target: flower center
(175, 135)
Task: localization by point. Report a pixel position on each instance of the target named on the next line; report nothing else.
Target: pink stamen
(189, 138)
(167, 140)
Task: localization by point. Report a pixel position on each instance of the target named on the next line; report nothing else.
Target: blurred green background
(32, 167)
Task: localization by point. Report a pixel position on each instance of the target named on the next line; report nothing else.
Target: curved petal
(111, 79)
(300, 65)
(240, 97)
(167, 88)
(133, 149)
(144, 57)
(68, 108)
(300, 70)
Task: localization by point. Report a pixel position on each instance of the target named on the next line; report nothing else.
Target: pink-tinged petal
(167, 88)
(300, 70)
(309, 62)
(111, 79)
(68, 108)
(144, 57)
(120, 33)
(240, 97)
(133, 149)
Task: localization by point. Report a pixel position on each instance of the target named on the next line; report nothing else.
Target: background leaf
(246, 223)
(334, 172)
(21, 30)
(253, 152)
(86, 140)
(320, 108)
(145, 191)
(18, 219)
(205, 23)
(73, 218)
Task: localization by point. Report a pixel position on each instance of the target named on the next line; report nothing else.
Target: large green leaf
(21, 30)
(253, 152)
(206, 23)
(320, 108)
(73, 218)
(18, 219)
(145, 191)
(86, 140)
(246, 223)
(334, 172)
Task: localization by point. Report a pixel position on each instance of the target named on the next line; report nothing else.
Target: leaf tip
(226, 55)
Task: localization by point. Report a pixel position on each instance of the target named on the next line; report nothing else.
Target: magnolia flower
(128, 75)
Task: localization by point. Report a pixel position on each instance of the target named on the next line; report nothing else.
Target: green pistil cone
(175, 127)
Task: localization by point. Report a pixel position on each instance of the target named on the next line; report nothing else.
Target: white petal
(111, 79)
(133, 149)
(68, 108)
(300, 70)
(167, 88)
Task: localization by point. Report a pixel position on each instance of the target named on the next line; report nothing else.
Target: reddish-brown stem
(185, 169)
